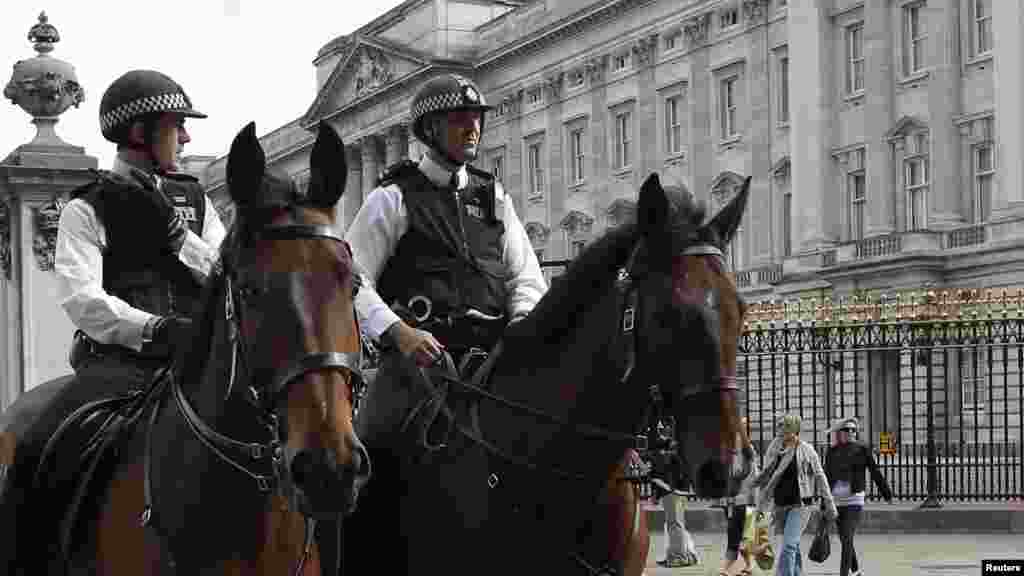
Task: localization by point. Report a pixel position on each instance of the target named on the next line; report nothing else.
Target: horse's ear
(652, 209)
(328, 169)
(728, 219)
(246, 163)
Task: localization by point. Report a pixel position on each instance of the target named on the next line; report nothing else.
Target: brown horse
(247, 460)
(510, 473)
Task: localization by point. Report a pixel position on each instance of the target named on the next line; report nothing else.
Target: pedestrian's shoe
(677, 560)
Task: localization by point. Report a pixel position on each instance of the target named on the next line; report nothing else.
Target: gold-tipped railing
(913, 305)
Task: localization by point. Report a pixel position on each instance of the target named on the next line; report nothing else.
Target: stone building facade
(883, 139)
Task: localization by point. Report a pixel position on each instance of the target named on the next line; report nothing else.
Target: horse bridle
(267, 398)
(627, 285)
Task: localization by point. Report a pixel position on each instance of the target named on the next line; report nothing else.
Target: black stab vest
(452, 252)
(157, 283)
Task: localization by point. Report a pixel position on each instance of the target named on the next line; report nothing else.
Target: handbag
(821, 546)
(763, 553)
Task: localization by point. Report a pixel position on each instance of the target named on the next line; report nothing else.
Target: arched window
(722, 191)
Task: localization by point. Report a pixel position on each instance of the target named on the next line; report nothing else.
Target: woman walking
(794, 481)
(744, 471)
(845, 464)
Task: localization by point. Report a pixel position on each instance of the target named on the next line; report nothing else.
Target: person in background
(793, 481)
(845, 464)
(745, 471)
(680, 550)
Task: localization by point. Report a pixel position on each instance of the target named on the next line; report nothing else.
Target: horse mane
(585, 280)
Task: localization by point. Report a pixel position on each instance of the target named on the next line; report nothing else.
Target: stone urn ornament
(44, 86)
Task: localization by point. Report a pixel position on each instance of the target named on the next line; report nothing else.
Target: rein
(639, 474)
(271, 452)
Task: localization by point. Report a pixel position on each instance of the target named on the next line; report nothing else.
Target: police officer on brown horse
(447, 266)
(134, 245)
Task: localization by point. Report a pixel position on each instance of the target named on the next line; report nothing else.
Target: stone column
(512, 179)
(555, 196)
(760, 60)
(1008, 77)
(371, 165)
(701, 112)
(879, 114)
(353, 197)
(944, 104)
(597, 133)
(647, 133)
(810, 70)
(394, 140)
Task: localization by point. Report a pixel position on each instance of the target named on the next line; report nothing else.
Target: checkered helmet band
(128, 111)
(444, 94)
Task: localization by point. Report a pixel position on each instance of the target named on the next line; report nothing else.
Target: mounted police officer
(447, 265)
(447, 262)
(136, 243)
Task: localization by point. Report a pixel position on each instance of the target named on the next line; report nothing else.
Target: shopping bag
(821, 547)
(763, 553)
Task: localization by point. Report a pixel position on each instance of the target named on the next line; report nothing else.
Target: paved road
(879, 554)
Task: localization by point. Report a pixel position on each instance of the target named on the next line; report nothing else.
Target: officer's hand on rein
(169, 333)
(419, 345)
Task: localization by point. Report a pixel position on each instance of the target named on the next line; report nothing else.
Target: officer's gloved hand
(157, 220)
(169, 334)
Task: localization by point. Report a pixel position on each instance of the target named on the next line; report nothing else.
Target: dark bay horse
(246, 461)
(508, 473)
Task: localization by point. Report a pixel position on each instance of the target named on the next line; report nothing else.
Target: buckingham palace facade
(883, 138)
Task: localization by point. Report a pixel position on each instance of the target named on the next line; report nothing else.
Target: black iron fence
(935, 378)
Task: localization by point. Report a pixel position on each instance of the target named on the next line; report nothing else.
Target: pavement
(879, 554)
(882, 518)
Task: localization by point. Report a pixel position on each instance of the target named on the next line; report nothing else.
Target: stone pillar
(880, 116)
(810, 70)
(598, 134)
(943, 106)
(512, 179)
(1008, 77)
(371, 165)
(394, 144)
(760, 60)
(556, 192)
(647, 132)
(353, 197)
(701, 112)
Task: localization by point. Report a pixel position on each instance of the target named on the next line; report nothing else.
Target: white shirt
(78, 263)
(382, 221)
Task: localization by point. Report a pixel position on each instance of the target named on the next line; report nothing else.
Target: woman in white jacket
(794, 482)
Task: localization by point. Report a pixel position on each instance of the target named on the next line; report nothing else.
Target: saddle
(77, 458)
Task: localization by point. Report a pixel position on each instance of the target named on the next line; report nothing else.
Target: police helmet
(139, 93)
(446, 93)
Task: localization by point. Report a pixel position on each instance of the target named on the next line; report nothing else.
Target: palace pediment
(370, 67)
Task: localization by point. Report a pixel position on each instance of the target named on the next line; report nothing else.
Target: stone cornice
(576, 222)
(568, 26)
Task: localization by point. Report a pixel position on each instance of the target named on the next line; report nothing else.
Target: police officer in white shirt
(135, 245)
(446, 265)
(439, 241)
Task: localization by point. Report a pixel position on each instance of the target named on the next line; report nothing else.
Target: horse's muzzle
(329, 488)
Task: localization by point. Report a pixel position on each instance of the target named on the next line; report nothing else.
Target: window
(536, 168)
(981, 27)
(620, 61)
(727, 106)
(914, 36)
(729, 17)
(984, 175)
(973, 380)
(539, 253)
(576, 157)
(496, 167)
(856, 196)
(673, 125)
(787, 223)
(784, 89)
(577, 247)
(673, 40)
(916, 180)
(855, 58)
(623, 139)
(782, 3)
(534, 96)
